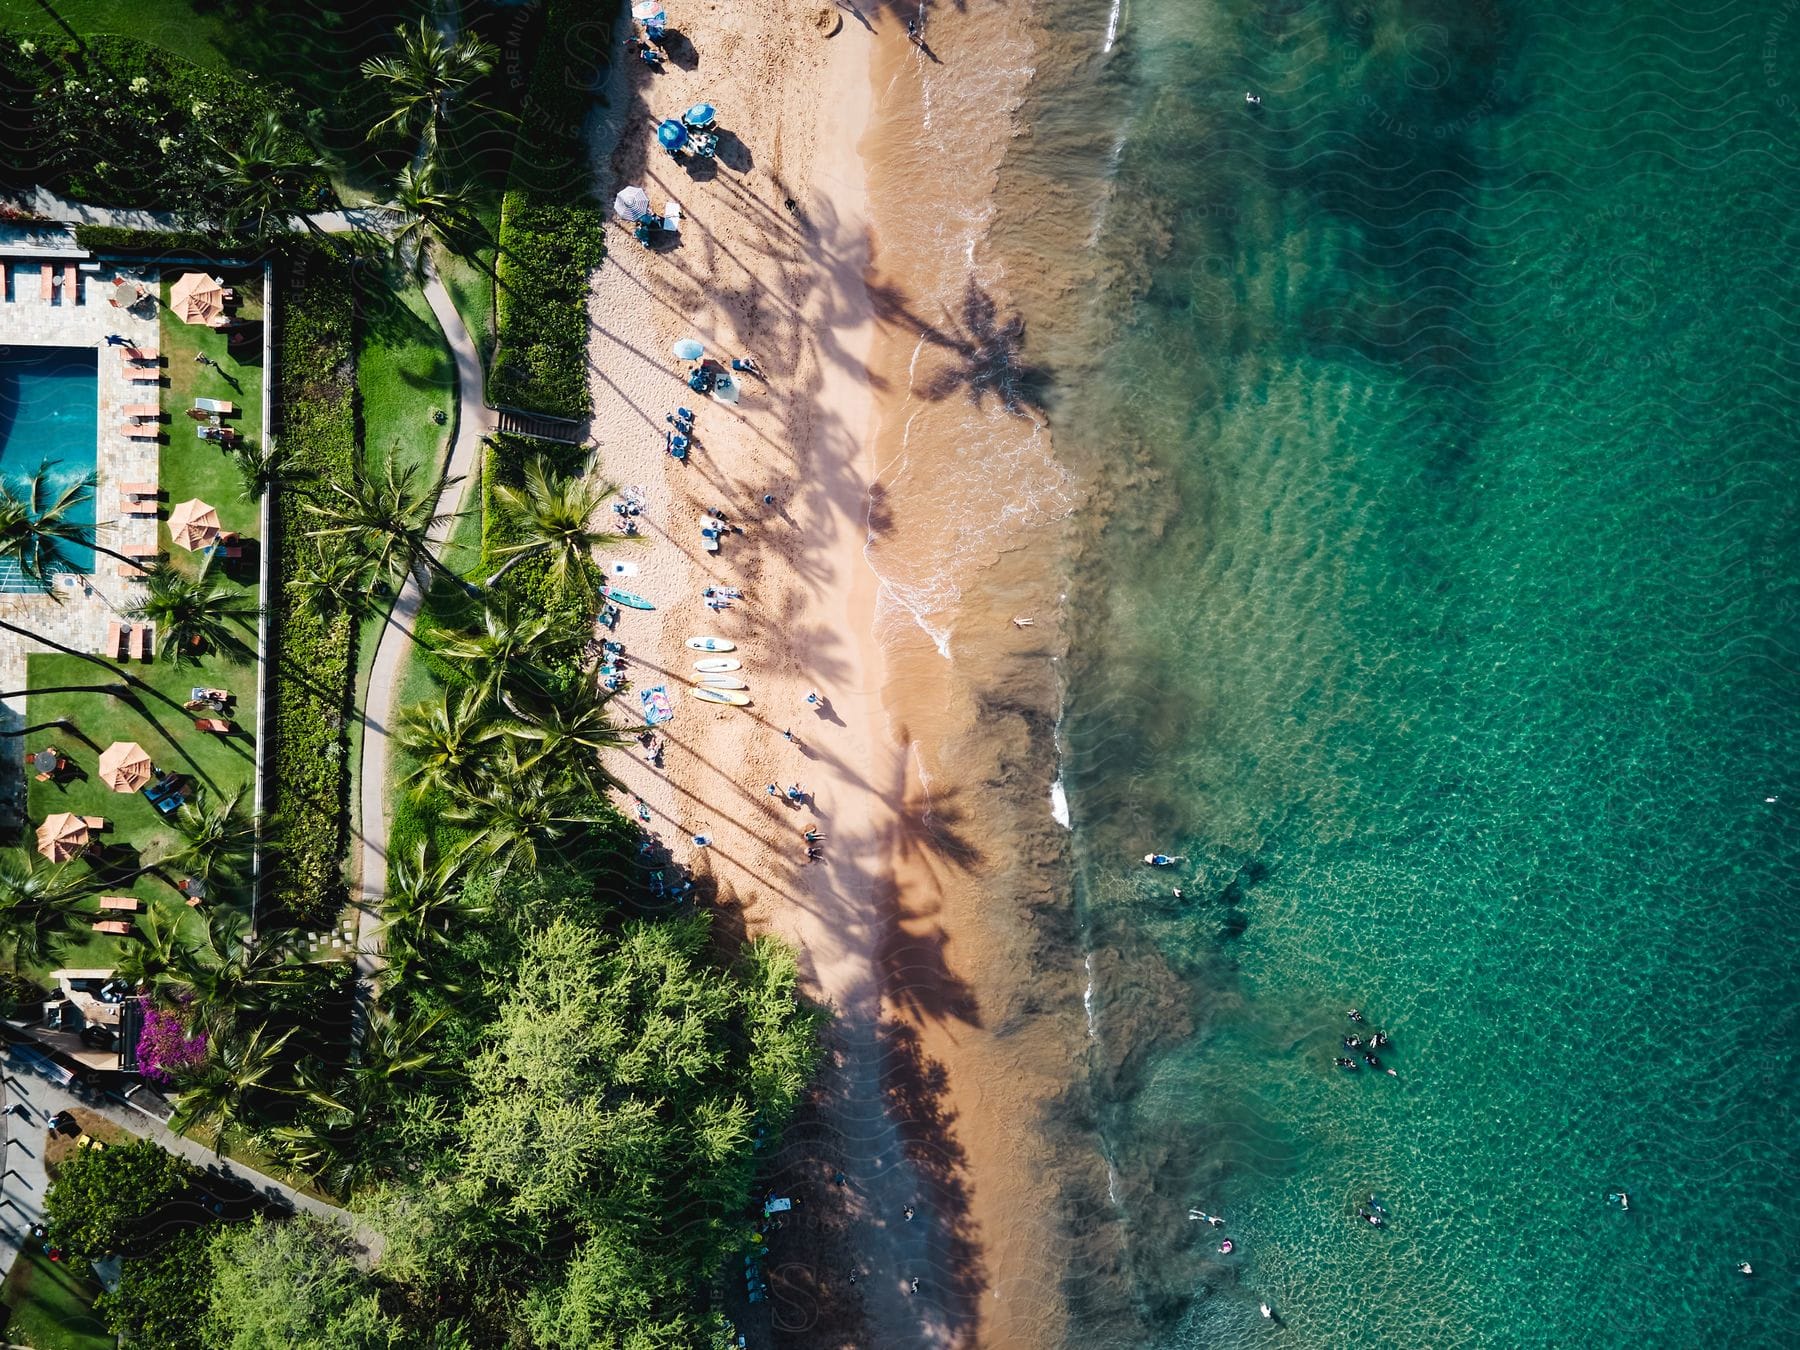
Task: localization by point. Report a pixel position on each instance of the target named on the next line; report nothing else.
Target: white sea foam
(1087, 996)
(1059, 803)
(1112, 26)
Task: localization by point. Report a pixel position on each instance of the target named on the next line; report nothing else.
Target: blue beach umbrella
(672, 135)
(700, 116)
(688, 349)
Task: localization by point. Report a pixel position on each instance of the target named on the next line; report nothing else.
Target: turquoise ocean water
(1436, 596)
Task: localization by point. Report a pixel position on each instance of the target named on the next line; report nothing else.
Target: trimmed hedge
(313, 656)
(144, 243)
(550, 239)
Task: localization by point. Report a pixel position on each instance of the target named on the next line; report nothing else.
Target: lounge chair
(223, 407)
(147, 355)
(115, 640)
(140, 491)
(215, 695)
(45, 290)
(219, 726)
(193, 902)
(142, 431)
(146, 642)
(6, 282)
(71, 285)
(117, 927)
(94, 822)
(122, 904)
(149, 411)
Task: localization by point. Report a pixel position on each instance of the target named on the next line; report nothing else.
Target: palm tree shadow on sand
(986, 351)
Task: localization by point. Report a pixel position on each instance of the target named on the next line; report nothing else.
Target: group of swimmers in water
(1376, 1040)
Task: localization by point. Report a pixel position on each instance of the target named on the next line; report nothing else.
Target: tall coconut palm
(218, 842)
(388, 517)
(333, 580)
(554, 518)
(40, 906)
(228, 1086)
(37, 528)
(515, 811)
(229, 976)
(567, 731)
(272, 172)
(422, 899)
(193, 615)
(422, 80)
(508, 650)
(449, 737)
(432, 208)
(151, 954)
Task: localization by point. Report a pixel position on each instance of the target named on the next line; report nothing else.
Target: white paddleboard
(714, 664)
(730, 696)
(712, 644)
(721, 682)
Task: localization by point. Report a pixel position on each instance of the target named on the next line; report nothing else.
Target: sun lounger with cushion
(117, 927)
(44, 288)
(147, 355)
(122, 904)
(148, 410)
(146, 641)
(94, 822)
(223, 407)
(139, 489)
(115, 640)
(142, 431)
(219, 726)
(71, 285)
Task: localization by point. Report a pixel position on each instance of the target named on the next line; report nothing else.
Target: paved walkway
(30, 1099)
(474, 420)
(45, 203)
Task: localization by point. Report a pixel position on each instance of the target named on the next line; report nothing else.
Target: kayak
(730, 696)
(713, 665)
(720, 682)
(625, 598)
(711, 644)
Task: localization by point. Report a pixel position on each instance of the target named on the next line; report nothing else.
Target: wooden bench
(124, 904)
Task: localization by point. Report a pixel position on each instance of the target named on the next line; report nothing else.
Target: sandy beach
(918, 1106)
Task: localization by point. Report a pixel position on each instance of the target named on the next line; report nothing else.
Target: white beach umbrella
(688, 349)
(632, 203)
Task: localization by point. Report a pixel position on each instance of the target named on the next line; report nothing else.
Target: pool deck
(78, 614)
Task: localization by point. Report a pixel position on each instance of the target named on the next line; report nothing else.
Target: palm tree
(424, 78)
(336, 580)
(272, 172)
(389, 518)
(224, 1090)
(218, 842)
(421, 896)
(40, 906)
(35, 529)
(151, 954)
(507, 649)
(515, 810)
(230, 977)
(261, 467)
(192, 615)
(569, 730)
(449, 738)
(432, 209)
(554, 519)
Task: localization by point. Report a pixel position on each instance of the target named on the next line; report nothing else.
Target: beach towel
(657, 708)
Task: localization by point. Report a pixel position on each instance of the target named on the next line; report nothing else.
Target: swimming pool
(49, 414)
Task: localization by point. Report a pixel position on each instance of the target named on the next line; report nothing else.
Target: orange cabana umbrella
(125, 766)
(197, 298)
(62, 836)
(193, 524)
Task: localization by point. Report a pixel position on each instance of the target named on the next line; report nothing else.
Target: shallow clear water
(49, 416)
(1436, 599)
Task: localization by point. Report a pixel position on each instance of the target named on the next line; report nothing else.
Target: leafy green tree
(114, 1200)
(424, 78)
(553, 518)
(294, 1285)
(162, 1295)
(388, 517)
(193, 615)
(218, 842)
(40, 906)
(265, 177)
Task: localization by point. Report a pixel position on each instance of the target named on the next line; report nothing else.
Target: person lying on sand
(1022, 622)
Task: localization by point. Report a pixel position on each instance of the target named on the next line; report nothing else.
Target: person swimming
(1619, 1198)
(1353, 1042)
(1201, 1216)
(1225, 1247)
(1354, 1015)
(1369, 1214)
(1379, 1040)
(1343, 1063)
(1370, 1060)
(1743, 1268)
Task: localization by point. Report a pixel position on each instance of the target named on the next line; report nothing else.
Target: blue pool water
(49, 415)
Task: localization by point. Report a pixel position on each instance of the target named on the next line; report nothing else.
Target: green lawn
(406, 374)
(138, 834)
(51, 1307)
(191, 467)
(471, 284)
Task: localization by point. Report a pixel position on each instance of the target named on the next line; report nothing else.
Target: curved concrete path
(473, 421)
